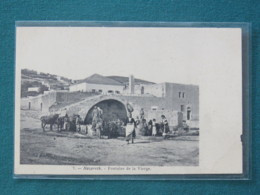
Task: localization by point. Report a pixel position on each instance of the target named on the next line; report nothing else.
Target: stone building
(171, 99)
(98, 83)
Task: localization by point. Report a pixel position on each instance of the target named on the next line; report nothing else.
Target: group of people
(72, 123)
(75, 122)
(112, 128)
(152, 128)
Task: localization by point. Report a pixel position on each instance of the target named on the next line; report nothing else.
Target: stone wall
(45, 101)
(178, 97)
(174, 98)
(157, 90)
(41, 102)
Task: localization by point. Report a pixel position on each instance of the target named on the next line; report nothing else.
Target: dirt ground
(66, 148)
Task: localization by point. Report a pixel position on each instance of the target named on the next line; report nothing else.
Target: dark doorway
(41, 106)
(188, 113)
(112, 111)
(142, 90)
(29, 106)
(182, 108)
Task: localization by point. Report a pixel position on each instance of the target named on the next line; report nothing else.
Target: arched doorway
(112, 111)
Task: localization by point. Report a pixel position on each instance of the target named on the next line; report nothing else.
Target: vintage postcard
(128, 100)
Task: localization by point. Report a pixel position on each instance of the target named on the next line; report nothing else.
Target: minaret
(131, 84)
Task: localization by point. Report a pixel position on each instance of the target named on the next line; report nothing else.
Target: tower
(131, 84)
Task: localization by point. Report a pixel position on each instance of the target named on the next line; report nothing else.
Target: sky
(176, 55)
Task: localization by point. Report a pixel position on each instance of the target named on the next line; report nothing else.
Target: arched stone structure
(84, 107)
(112, 110)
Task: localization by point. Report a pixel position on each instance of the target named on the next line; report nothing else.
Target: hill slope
(44, 81)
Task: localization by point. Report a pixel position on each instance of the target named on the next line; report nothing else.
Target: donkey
(49, 120)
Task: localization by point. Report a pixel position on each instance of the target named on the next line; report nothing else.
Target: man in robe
(95, 117)
(141, 114)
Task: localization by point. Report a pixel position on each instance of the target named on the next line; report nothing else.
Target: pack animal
(49, 120)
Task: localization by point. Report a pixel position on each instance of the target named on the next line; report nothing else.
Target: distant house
(58, 77)
(34, 89)
(46, 84)
(98, 84)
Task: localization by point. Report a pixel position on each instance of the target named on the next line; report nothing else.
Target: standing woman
(141, 114)
(150, 127)
(154, 130)
(165, 126)
(130, 129)
(138, 126)
(77, 122)
(66, 123)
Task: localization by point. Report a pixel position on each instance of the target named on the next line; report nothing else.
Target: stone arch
(113, 109)
(82, 108)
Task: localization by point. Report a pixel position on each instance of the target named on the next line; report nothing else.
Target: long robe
(154, 130)
(130, 129)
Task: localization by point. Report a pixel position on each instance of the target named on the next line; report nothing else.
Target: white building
(98, 83)
(33, 89)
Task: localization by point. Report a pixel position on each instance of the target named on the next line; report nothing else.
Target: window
(154, 107)
(181, 94)
(110, 91)
(93, 90)
(182, 108)
(100, 91)
(117, 92)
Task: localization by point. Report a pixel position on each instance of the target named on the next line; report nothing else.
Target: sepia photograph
(108, 120)
(113, 98)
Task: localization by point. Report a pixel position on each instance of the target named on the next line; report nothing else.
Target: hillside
(42, 81)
